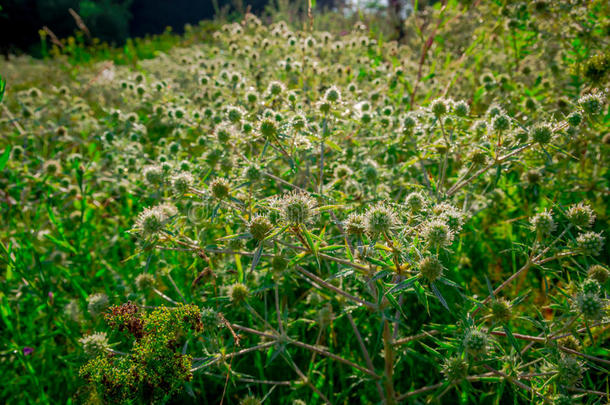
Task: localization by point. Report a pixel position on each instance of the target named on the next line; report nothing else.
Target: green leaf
(4, 158)
(2, 88)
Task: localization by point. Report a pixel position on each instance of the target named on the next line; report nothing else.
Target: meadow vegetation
(281, 214)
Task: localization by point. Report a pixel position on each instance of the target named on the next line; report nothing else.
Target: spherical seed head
(574, 119)
(252, 173)
(296, 208)
(494, 110)
(238, 293)
(379, 219)
(150, 221)
(478, 157)
(592, 104)
(500, 310)
(437, 234)
(181, 182)
(95, 344)
(569, 370)
(533, 176)
(51, 167)
(234, 114)
(430, 268)
(543, 223)
(342, 171)
(590, 243)
(461, 108)
(145, 281)
(590, 305)
(260, 227)
(581, 215)
(355, 224)
(591, 286)
(542, 134)
(439, 107)
(599, 273)
(153, 174)
(97, 303)
(333, 94)
(298, 122)
(500, 122)
(415, 201)
(275, 88)
(220, 188)
(268, 127)
(475, 342)
(279, 263)
(455, 369)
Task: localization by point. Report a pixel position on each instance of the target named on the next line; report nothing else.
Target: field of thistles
(277, 214)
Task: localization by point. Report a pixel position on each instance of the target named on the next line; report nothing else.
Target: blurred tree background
(114, 21)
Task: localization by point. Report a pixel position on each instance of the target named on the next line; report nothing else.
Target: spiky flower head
(591, 286)
(379, 219)
(439, 107)
(342, 171)
(543, 223)
(355, 224)
(500, 122)
(145, 281)
(590, 305)
(599, 273)
(500, 310)
(97, 303)
(581, 215)
(475, 342)
(153, 174)
(455, 369)
(260, 227)
(430, 268)
(590, 243)
(252, 172)
(296, 208)
(415, 201)
(181, 182)
(220, 188)
(332, 95)
(437, 234)
(268, 127)
(151, 221)
(542, 133)
(592, 104)
(461, 108)
(95, 344)
(569, 370)
(238, 293)
(574, 119)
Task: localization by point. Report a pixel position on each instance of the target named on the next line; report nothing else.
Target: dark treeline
(111, 21)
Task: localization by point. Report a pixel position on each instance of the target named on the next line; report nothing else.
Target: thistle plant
(297, 216)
